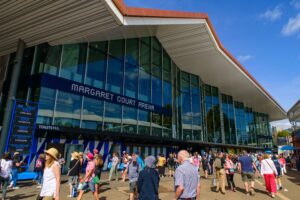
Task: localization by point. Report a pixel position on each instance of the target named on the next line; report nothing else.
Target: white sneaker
(39, 186)
(15, 188)
(69, 196)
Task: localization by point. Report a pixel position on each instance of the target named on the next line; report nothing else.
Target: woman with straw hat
(51, 178)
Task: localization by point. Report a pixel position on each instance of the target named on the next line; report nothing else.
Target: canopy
(287, 148)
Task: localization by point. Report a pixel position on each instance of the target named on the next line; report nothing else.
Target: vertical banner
(22, 127)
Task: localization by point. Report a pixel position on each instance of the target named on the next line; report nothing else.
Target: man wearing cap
(148, 181)
(14, 173)
(187, 185)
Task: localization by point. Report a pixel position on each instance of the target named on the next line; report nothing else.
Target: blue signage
(55, 82)
(22, 127)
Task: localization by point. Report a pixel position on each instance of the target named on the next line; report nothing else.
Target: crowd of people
(144, 175)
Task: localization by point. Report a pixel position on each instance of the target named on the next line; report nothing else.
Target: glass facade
(141, 69)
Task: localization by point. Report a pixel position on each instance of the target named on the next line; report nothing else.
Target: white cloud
(292, 27)
(295, 4)
(244, 58)
(272, 15)
(281, 124)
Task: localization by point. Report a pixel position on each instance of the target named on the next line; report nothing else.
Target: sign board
(22, 127)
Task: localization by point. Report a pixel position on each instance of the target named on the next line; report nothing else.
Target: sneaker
(39, 186)
(15, 188)
(69, 196)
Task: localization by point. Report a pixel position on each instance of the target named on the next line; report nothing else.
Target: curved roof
(188, 37)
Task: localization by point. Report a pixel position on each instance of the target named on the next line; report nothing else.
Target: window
(46, 106)
(129, 120)
(113, 113)
(96, 67)
(115, 75)
(131, 81)
(132, 51)
(73, 62)
(68, 107)
(92, 114)
(48, 59)
(144, 122)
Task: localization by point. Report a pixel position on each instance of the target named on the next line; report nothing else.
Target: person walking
(205, 166)
(171, 165)
(196, 160)
(114, 167)
(39, 169)
(148, 181)
(125, 161)
(5, 170)
(269, 172)
(14, 172)
(87, 181)
(187, 183)
(73, 172)
(247, 166)
(220, 172)
(161, 165)
(133, 174)
(98, 169)
(51, 180)
(229, 169)
(279, 171)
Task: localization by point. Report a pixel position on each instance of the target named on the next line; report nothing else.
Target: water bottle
(74, 191)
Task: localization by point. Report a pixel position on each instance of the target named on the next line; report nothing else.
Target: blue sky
(263, 35)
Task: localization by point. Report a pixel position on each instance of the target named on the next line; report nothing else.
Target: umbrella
(287, 148)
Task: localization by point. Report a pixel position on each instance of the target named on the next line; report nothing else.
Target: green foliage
(283, 133)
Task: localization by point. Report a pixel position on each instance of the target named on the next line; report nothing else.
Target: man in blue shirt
(247, 166)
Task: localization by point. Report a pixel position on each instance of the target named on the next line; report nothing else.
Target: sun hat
(95, 151)
(150, 161)
(16, 153)
(53, 153)
(75, 155)
(90, 156)
(80, 154)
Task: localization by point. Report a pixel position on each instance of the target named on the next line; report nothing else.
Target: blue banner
(54, 82)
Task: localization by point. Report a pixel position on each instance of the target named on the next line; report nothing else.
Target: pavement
(118, 190)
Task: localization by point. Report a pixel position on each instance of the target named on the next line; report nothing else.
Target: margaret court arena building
(99, 74)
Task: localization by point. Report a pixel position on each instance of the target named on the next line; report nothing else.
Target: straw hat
(52, 152)
(16, 153)
(75, 155)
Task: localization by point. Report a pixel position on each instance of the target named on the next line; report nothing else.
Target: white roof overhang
(190, 42)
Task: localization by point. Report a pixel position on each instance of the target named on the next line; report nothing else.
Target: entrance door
(70, 148)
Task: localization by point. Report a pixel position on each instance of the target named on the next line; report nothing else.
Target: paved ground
(117, 190)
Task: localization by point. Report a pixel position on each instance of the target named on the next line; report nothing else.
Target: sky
(263, 35)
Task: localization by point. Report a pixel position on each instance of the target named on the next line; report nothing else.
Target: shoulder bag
(73, 167)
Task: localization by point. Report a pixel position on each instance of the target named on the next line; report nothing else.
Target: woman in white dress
(51, 178)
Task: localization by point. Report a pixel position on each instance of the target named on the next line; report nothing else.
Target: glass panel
(145, 86)
(129, 120)
(145, 54)
(156, 124)
(68, 107)
(46, 106)
(92, 114)
(113, 113)
(115, 75)
(48, 59)
(156, 91)
(116, 48)
(167, 126)
(73, 61)
(186, 103)
(144, 122)
(185, 82)
(96, 67)
(131, 81)
(132, 51)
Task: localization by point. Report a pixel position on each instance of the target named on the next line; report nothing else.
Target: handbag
(121, 166)
(72, 168)
(109, 165)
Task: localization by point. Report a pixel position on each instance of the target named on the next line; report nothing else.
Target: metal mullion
(81, 111)
(151, 52)
(61, 58)
(138, 85)
(54, 109)
(191, 97)
(86, 62)
(162, 88)
(123, 84)
(105, 84)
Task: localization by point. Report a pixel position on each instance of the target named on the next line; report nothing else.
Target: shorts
(73, 180)
(88, 185)
(247, 176)
(171, 167)
(132, 186)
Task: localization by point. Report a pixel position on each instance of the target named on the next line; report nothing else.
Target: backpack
(38, 164)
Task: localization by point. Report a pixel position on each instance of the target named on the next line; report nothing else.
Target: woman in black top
(171, 165)
(74, 170)
(98, 169)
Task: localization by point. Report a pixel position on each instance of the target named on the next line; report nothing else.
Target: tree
(283, 133)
